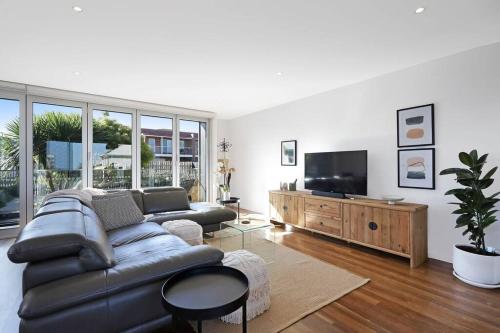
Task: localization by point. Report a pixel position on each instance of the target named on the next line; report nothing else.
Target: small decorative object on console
(292, 186)
(283, 186)
(392, 199)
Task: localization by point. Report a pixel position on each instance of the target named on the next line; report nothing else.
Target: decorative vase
(475, 269)
(226, 195)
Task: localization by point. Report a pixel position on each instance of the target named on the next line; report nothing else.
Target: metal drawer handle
(372, 225)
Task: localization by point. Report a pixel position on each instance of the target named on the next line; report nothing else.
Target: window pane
(156, 151)
(112, 150)
(9, 163)
(192, 157)
(57, 149)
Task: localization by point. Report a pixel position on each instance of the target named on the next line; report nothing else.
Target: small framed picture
(416, 168)
(289, 152)
(416, 126)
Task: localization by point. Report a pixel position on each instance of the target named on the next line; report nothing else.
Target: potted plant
(475, 264)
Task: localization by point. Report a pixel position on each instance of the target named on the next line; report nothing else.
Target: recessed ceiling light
(77, 9)
(279, 73)
(76, 73)
(420, 10)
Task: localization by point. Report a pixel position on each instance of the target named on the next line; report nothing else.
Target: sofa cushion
(117, 210)
(66, 198)
(83, 197)
(37, 273)
(202, 217)
(157, 258)
(94, 191)
(137, 196)
(165, 201)
(139, 263)
(61, 294)
(134, 233)
(63, 234)
(163, 189)
(59, 205)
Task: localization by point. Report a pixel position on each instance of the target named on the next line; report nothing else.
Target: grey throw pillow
(117, 210)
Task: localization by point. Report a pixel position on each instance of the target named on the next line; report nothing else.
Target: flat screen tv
(341, 172)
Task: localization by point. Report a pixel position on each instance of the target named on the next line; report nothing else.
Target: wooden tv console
(399, 229)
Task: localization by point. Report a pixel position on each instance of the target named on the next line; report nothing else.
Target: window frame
(100, 107)
(9, 232)
(147, 113)
(29, 140)
(207, 172)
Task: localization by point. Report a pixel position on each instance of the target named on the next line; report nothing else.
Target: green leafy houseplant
(476, 211)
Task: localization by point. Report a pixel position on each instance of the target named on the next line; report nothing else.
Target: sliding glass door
(192, 158)
(112, 148)
(12, 164)
(56, 148)
(156, 153)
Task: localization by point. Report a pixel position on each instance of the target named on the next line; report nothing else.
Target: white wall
(222, 129)
(465, 89)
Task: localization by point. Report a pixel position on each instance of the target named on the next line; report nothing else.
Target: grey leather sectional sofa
(80, 278)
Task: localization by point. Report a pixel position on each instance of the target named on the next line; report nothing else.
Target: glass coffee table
(253, 235)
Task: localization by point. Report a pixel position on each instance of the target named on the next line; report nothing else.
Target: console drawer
(331, 208)
(324, 223)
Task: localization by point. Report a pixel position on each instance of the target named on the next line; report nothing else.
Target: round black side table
(232, 200)
(206, 293)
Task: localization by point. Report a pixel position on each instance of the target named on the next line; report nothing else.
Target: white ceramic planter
(475, 269)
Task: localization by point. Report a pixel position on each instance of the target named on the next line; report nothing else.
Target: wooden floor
(397, 299)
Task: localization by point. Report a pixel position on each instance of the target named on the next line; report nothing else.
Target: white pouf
(259, 298)
(188, 230)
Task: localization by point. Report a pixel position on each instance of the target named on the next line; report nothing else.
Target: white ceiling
(223, 55)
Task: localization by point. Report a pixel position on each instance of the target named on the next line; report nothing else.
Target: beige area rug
(300, 284)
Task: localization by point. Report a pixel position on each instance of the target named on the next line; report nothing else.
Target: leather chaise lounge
(171, 203)
(80, 278)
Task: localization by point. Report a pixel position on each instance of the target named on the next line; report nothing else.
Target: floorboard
(398, 298)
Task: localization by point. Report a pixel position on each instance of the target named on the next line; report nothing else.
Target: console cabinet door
(293, 209)
(276, 211)
(286, 208)
(380, 227)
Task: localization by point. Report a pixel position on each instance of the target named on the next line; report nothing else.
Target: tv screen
(337, 172)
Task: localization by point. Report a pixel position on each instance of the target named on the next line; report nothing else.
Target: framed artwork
(416, 126)
(289, 152)
(416, 168)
